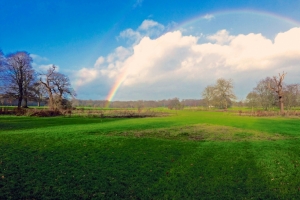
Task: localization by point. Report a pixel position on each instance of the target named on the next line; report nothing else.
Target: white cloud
(148, 28)
(174, 64)
(85, 76)
(209, 17)
(130, 34)
(44, 68)
(147, 24)
(138, 3)
(37, 59)
(221, 37)
(99, 61)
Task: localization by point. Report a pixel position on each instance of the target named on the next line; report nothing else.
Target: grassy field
(187, 155)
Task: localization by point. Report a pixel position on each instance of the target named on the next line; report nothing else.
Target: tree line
(20, 82)
(174, 103)
(268, 93)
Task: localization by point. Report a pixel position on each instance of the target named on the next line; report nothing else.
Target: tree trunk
(20, 97)
(281, 104)
(25, 102)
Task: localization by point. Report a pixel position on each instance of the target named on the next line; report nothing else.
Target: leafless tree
(175, 104)
(18, 75)
(291, 95)
(46, 81)
(2, 99)
(208, 95)
(223, 92)
(2, 62)
(266, 97)
(278, 88)
(252, 100)
(58, 87)
(38, 92)
(62, 85)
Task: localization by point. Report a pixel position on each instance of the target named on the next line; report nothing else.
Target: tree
(252, 100)
(58, 87)
(175, 104)
(208, 95)
(38, 92)
(266, 96)
(223, 92)
(46, 81)
(278, 88)
(2, 63)
(18, 75)
(291, 95)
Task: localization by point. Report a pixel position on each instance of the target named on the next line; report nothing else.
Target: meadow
(188, 154)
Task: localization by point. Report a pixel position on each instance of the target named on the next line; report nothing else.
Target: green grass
(187, 155)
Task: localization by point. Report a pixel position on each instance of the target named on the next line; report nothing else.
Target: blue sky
(103, 45)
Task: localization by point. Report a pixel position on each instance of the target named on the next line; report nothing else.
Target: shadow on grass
(216, 171)
(21, 123)
(124, 168)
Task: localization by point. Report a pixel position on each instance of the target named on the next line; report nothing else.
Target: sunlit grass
(188, 155)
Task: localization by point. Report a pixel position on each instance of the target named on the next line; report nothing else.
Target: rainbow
(240, 11)
(292, 23)
(121, 78)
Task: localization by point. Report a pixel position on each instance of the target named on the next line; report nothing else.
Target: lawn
(186, 155)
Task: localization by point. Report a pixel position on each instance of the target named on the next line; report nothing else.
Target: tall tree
(18, 75)
(46, 80)
(2, 62)
(278, 88)
(58, 87)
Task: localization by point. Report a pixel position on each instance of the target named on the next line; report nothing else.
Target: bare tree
(252, 100)
(18, 75)
(208, 95)
(58, 87)
(2, 62)
(278, 88)
(38, 92)
(46, 81)
(266, 96)
(291, 95)
(62, 85)
(175, 104)
(223, 92)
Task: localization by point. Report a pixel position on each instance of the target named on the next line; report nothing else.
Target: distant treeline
(170, 103)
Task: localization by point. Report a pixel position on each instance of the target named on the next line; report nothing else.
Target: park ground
(188, 154)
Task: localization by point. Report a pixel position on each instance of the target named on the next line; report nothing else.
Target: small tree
(175, 104)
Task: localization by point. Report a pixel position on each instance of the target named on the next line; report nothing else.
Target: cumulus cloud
(221, 37)
(85, 76)
(174, 64)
